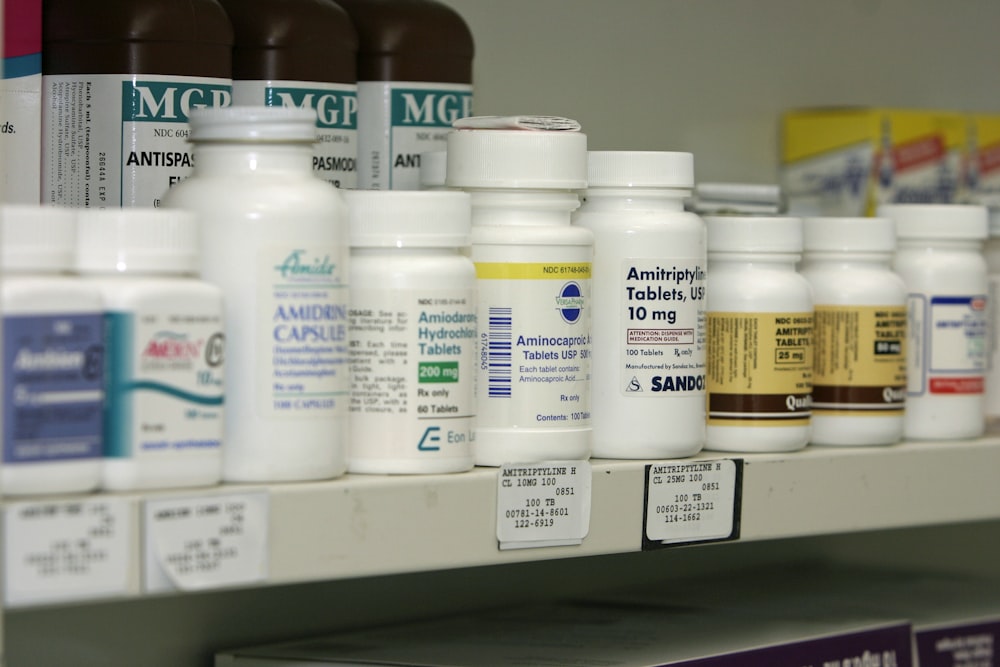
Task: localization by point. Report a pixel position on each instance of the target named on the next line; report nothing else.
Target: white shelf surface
(358, 525)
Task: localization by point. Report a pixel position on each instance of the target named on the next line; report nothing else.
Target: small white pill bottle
(649, 288)
(534, 291)
(992, 253)
(53, 357)
(760, 336)
(274, 238)
(414, 341)
(939, 257)
(165, 349)
(859, 367)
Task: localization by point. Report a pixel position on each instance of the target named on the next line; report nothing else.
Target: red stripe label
(972, 385)
(925, 150)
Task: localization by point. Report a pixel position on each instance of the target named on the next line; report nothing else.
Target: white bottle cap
(832, 234)
(143, 240)
(37, 238)
(738, 233)
(241, 123)
(640, 169)
(526, 159)
(433, 170)
(938, 221)
(408, 219)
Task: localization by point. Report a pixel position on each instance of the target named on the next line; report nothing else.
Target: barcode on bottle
(499, 378)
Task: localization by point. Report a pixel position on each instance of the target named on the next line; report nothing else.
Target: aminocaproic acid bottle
(53, 357)
(414, 341)
(649, 288)
(119, 80)
(534, 280)
(274, 238)
(414, 81)
(302, 53)
(760, 336)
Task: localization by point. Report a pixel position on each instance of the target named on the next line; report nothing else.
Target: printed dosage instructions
(694, 501)
(207, 542)
(543, 504)
(65, 550)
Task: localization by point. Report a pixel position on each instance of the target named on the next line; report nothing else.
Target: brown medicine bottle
(301, 53)
(414, 81)
(118, 80)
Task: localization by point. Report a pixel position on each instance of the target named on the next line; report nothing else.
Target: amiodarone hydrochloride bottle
(163, 424)
(274, 238)
(649, 287)
(534, 282)
(413, 333)
(859, 370)
(53, 357)
(760, 336)
(302, 53)
(939, 257)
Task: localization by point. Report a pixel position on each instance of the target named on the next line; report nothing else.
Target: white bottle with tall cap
(939, 257)
(534, 284)
(163, 423)
(760, 336)
(414, 342)
(274, 238)
(53, 357)
(859, 370)
(649, 288)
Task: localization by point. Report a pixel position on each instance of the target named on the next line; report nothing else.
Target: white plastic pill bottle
(649, 287)
(859, 367)
(939, 257)
(992, 253)
(760, 336)
(534, 289)
(165, 350)
(413, 332)
(274, 238)
(53, 357)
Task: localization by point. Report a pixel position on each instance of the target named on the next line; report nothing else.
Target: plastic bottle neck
(252, 157)
(932, 245)
(873, 259)
(523, 207)
(776, 261)
(662, 199)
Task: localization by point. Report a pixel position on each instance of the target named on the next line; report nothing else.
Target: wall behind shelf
(712, 76)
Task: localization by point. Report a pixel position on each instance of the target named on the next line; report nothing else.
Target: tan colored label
(760, 368)
(860, 363)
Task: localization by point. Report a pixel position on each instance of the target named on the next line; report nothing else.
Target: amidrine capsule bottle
(302, 53)
(760, 336)
(414, 81)
(119, 79)
(859, 371)
(274, 238)
(534, 284)
(163, 423)
(939, 257)
(648, 388)
(414, 340)
(53, 357)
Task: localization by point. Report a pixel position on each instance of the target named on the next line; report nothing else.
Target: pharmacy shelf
(357, 525)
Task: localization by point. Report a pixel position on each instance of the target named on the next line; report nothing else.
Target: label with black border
(686, 502)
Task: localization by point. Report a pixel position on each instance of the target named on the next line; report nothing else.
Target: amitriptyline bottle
(534, 281)
(53, 357)
(274, 238)
(119, 80)
(414, 341)
(414, 81)
(163, 424)
(760, 336)
(301, 53)
(859, 373)
(649, 287)
(939, 257)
